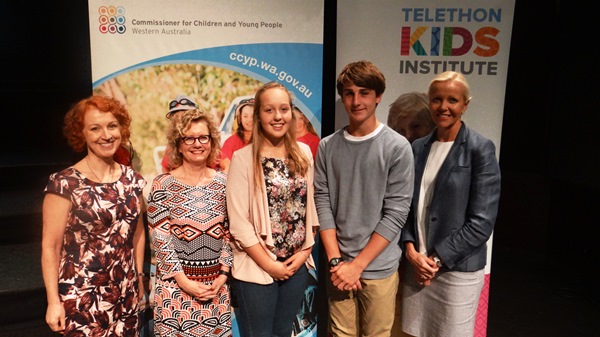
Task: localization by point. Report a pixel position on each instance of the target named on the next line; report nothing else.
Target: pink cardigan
(248, 213)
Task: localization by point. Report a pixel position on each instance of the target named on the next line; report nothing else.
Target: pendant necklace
(273, 152)
(110, 171)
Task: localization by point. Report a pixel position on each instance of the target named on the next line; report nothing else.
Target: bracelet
(142, 274)
(305, 256)
(226, 273)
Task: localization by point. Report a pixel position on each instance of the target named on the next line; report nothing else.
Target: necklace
(110, 170)
(273, 152)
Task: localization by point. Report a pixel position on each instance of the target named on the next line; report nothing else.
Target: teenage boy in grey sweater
(363, 188)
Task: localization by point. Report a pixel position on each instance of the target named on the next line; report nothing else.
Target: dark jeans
(269, 310)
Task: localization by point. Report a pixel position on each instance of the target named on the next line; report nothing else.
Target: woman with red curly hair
(93, 233)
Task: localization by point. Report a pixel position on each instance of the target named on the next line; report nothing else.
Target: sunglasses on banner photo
(247, 101)
(243, 103)
(183, 101)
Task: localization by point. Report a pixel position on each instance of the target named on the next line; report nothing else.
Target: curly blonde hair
(183, 122)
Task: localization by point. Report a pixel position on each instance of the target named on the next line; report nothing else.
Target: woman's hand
(141, 287)
(195, 289)
(143, 302)
(215, 287)
(425, 268)
(296, 261)
(55, 317)
(280, 271)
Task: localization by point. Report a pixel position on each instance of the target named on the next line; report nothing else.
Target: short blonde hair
(453, 76)
(181, 123)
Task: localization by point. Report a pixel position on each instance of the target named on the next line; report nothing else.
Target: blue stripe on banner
(297, 65)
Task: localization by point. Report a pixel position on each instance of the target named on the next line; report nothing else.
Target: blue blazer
(464, 203)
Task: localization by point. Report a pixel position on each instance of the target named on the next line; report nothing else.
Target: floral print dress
(190, 234)
(97, 278)
(287, 207)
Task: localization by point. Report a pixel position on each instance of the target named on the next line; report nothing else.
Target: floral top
(287, 206)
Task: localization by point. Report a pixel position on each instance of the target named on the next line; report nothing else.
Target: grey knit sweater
(362, 187)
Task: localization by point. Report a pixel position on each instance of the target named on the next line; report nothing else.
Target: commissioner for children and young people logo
(112, 19)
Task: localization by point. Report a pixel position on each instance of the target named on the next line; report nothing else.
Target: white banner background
(372, 30)
(147, 52)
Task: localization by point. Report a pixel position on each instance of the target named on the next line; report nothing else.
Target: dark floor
(525, 301)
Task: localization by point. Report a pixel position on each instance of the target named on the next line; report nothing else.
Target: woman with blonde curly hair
(190, 233)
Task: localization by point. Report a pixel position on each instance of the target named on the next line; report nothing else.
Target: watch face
(335, 261)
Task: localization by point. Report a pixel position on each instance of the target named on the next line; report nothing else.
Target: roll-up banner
(145, 53)
(412, 41)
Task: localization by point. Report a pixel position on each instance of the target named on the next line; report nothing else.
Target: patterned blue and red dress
(97, 280)
(190, 234)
